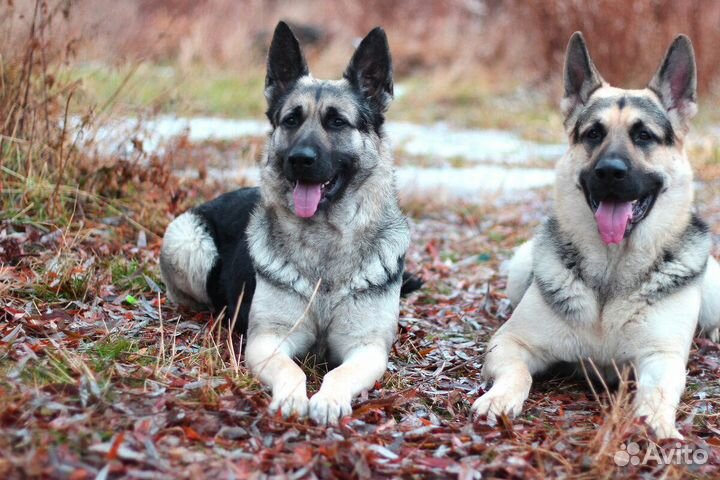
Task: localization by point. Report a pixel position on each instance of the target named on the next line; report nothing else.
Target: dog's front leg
(661, 381)
(270, 358)
(662, 343)
(361, 367)
(506, 365)
(516, 352)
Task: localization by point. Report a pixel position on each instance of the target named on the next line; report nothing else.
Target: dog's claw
(328, 409)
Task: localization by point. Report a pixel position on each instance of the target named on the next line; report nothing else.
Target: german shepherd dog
(621, 273)
(317, 252)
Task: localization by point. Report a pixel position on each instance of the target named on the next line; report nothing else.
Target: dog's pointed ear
(676, 80)
(370, 69)
(285, 63)
(581, 77)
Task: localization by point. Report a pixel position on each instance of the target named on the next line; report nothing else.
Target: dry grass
(37, 153)
(100, 377)
(627, 38)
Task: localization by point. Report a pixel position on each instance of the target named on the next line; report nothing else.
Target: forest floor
(101, 377)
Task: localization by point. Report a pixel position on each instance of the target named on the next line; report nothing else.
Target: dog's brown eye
(643, 136)
(593, 134)
(290, 121)
(338, 122)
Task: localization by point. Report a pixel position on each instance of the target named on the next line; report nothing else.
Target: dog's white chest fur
(607, 299)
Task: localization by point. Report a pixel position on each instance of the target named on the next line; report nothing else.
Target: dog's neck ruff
(567, 286)
(299, 260)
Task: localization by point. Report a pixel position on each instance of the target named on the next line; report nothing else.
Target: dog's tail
(410, 283)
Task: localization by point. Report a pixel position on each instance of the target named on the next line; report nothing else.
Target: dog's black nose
(302, 157)
(611, 169)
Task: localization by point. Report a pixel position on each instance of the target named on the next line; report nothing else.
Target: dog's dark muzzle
(307, 164)
(314, 178)
(619, 195)
(614, 178)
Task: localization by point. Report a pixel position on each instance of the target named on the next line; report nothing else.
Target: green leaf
(131, 300)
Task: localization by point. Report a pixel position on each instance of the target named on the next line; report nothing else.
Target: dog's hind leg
(188, 254)
(709, 323)
(520, 272)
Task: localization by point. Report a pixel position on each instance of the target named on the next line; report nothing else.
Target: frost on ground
(437, 140)
(492, 161)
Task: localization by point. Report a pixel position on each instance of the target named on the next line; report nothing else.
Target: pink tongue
(307, 197)
(612, 219)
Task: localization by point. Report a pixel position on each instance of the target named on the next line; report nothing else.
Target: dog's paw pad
(495, 403)
(328, 409)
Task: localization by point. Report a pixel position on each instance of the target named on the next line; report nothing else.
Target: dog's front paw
(290, 401)
(662, 425)
(327, 408)
(665, 430)
(497, 402)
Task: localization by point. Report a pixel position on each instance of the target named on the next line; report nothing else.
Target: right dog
(621, 273)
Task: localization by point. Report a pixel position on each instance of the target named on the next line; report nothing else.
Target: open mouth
(617, 218)
(308, 197)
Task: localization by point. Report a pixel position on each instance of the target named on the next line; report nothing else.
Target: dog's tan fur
(612, 320)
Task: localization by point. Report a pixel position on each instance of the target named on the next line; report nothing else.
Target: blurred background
(478, 82)
(201, 55)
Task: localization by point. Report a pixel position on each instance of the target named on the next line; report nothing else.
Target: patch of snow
(481, 181)
(494, 146)
(436, 140)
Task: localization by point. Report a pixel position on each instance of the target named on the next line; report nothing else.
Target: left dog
(318, 251)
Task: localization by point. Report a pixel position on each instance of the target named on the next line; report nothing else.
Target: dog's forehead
(314, 95)
(617, 106)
